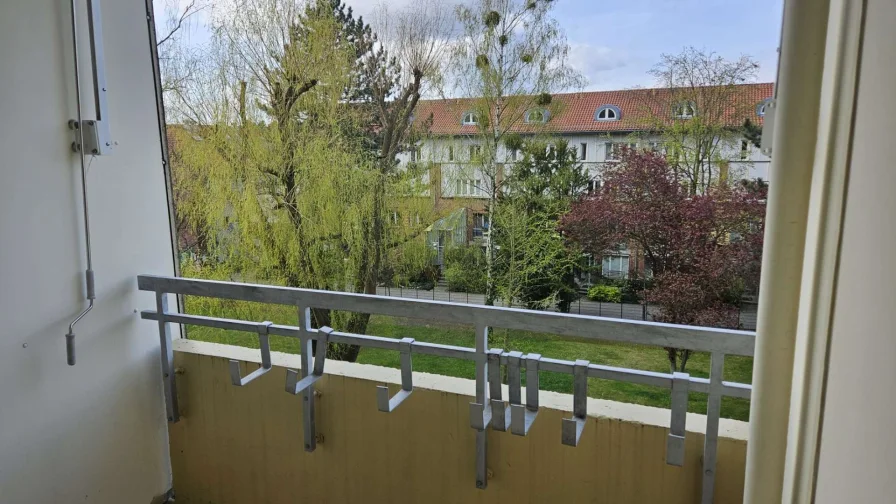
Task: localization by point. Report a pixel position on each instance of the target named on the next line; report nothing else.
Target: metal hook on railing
(499, 419)
(383, 402)
(480, 415)
(293, 384)
(573, 427)
(522, 417)
(675, 441)
(265, 344)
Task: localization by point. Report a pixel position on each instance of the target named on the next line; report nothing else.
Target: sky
(615, 43)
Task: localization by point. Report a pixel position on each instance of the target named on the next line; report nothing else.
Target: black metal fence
(582, 306)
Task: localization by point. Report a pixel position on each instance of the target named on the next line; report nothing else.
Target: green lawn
(737, 369)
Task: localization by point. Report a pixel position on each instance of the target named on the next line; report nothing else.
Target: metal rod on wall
(77, 125)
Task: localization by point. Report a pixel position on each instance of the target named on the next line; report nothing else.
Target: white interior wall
(858, 447)
(95, 432)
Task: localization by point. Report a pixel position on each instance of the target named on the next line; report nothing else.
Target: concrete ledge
(598, 408)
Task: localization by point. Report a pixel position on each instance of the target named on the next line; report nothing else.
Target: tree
(703, 250)
(533, 264)
(699, 112)
(284, 170)
(510, 57)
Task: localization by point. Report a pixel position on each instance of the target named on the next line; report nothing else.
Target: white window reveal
(470, 119)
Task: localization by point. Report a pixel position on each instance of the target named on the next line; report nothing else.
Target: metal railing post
(307, 364)
(711, 439)
(167, 353)
(482, 398)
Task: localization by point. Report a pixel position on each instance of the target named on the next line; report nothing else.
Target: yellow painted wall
(244, 445)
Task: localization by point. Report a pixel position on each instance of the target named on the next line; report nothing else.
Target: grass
(738, 369)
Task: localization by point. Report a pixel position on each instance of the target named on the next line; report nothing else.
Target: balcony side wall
(857, 449)
(244, 444)
(95, 432)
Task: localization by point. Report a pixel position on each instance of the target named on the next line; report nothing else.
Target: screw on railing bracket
(265, 344)
(675, 441)
(573, 427)
(383, 402)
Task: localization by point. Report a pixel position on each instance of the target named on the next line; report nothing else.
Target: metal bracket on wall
(383, 402)
(265, 344)
(95, 133)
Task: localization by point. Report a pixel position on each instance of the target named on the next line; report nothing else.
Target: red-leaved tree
(703, 251)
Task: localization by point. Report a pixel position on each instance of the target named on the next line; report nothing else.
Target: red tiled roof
(575, 112)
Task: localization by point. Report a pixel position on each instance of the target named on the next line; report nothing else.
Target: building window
(457, 189)
(684, 110)
(592, 185)
(744, 149)
(612, 150)
(583, 151)
(537, 116)
(480, 224)
(656, 147)
(615, 266)
(512, 155)
(415, 154)
(450, 153)
(760, 109)
(608, 113)
(475, 152)
(470, 118)
(477, 187)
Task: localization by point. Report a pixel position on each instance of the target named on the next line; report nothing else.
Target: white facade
(460, 177)
(95, 432)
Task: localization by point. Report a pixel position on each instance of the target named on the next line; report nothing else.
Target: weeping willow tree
(282, 174)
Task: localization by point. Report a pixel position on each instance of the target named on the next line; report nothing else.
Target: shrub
(605, 293)
(465, 269)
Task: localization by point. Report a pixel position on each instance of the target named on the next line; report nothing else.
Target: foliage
(511, 56)
(465, 268)
(605, 293)
(704, 250)
(533, 264)
(709, 84)
(283, 179)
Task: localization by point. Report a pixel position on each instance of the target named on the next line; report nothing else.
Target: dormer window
(470, 119)
(537, 116)
(608, 113)
(684, 110)
(760, 109)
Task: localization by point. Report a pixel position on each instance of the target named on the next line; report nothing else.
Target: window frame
(474, 118)
(617, 113)
(545, 116)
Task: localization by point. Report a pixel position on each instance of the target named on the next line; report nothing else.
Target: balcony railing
(489, 408)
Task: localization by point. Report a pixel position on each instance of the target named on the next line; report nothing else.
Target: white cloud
(595, 62)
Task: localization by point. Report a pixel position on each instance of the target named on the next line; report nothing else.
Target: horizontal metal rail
(485, 412)
(636, 376)
(701, 339)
